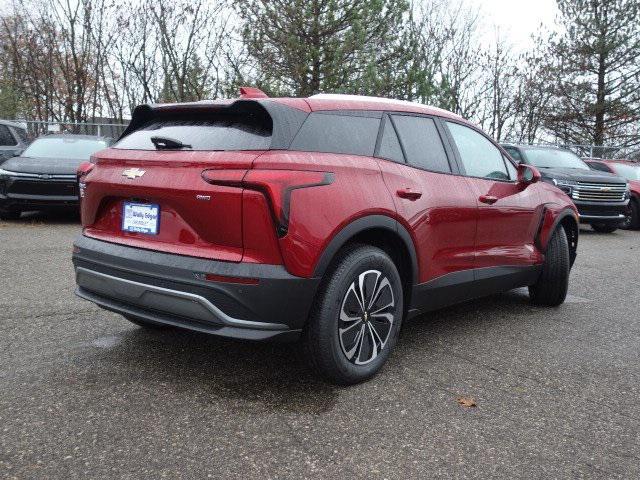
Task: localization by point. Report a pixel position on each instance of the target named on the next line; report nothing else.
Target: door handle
(408, 194)
(488, 199)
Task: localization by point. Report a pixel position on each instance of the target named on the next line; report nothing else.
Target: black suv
(601, 198)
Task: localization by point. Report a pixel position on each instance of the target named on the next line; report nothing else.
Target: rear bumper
(171, 289)
(610, 213)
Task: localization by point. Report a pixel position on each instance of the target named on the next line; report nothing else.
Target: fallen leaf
(467, 402)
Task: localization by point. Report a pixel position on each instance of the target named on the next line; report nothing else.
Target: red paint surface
(450, 227)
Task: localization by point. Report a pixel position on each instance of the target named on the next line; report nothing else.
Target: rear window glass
(232, 132)
(333, 133)
(422, 143)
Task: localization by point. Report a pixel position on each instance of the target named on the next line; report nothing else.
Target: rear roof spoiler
(286, 120)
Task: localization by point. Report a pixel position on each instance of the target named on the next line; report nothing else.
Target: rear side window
(334, 133)
(389, 144)
(225, 132)
(422, 143)
(6, 139)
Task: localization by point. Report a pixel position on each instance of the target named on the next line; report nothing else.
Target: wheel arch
(380, 231)
(566, 219)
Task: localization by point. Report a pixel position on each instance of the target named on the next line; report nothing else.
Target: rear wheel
(11, 214)
(551, 288)
(632, 218)
(355, 321)
(604, 228)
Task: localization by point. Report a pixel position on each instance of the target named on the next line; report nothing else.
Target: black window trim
(505, 155)
(453, 165)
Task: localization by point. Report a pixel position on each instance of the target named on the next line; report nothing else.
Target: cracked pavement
(83, 393)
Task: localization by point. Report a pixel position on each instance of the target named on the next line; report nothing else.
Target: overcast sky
(516, 20)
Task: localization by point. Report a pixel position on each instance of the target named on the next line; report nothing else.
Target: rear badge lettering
(204, 198)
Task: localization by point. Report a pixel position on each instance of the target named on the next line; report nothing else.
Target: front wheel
(355, 321)
(632, 217)
(551, 288)
(604, 228)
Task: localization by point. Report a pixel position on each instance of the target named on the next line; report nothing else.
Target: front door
(508, 212)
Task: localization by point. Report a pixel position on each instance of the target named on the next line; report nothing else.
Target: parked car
(601, 198)
(44, 175)
(631, 172)
(13, 140)
(328, 219)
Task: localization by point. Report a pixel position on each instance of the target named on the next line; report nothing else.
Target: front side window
(60, 147)
(336, 133)
(6, 139)
(479, 156)
(422, 143)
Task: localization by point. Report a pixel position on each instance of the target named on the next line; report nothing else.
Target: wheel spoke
(364, 334)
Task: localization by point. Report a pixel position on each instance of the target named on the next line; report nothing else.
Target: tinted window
(229, 132)
(389, 144)
(422, 143)
(333, 133)
(59, 147)
(515, 154)
(6, 139)
(480, 157)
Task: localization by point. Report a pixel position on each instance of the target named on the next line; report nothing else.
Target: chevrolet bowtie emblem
(133, 173)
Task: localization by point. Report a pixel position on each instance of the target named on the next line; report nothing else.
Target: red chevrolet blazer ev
(328, 219)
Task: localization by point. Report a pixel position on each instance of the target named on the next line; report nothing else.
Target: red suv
(329, 219)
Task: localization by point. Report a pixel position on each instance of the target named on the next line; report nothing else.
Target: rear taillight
(276, 185)
(83, 169)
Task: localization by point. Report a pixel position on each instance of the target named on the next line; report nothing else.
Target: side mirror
(527, 174)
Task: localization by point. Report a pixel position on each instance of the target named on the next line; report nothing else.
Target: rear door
(435, 204)
(508, 214)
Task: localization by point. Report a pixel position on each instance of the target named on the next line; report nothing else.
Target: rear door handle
(408, 194)
(488, 199)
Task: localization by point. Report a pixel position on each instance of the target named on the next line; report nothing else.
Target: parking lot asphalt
(85, 394)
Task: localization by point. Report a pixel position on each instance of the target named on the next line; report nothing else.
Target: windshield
(549, 158)
(630, 172)
(72, 148)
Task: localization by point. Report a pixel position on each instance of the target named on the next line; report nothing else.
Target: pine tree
(596, 94)
(301, 47)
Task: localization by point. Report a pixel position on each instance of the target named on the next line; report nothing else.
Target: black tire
(338, 302)
(10, 214)
(551, 288)
(604, 228)
(141, 322)
(632, 220)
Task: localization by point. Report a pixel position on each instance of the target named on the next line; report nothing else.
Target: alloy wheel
(366, 317)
